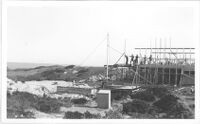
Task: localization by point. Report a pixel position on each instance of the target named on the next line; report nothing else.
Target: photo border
(32, 3)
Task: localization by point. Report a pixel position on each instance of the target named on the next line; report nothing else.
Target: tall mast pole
(170, 49)
(155, 72)
(155, 52)
(165, 46)
(150, 47)
(124, 49)
(170, 62)
(160, 50)
(107, 56)
(124, 72)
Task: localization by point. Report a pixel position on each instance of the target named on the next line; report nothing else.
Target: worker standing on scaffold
(132, 59)
(136, 59)
(103, 84)
(145, 59)
(150, 59)
(126, 57)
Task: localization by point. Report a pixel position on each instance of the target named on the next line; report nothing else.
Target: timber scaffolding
(168, 66)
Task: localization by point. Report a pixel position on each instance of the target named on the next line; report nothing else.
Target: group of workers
(135, 59)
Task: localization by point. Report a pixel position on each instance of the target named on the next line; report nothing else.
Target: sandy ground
(43, 87)
(60, 115)
(84, 109)
(42, 115)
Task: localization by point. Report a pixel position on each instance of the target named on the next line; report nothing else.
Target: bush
(113, 115)
(49, 75)
(19, 114)
(18, 102)
(142, 116)
(79, 101)
(82, 71)
(78, 115)
(158, 91)
(69, 66)
(119, 94)
(47, 104)
(192, 106)
(88, 115)
(143, 95)
(59, 70)
(8, 94)
(136, 105)
(73, 115)
(66, 99)
(180, 110)
(43, 107)
(166, 102)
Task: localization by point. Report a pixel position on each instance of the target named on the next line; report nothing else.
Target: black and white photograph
(100, 60)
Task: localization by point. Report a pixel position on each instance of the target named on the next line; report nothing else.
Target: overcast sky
(68, 34)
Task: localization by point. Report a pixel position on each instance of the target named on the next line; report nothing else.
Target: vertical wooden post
(170, 63)
(145, 68)
(155, 52)
(139, 66)
(160, 49)
(144, 74)
(181, 77)
(151, 48)
(155, 72)
(170, 51)
(107, 57)
(183, 55)
(150, 73)
(190, 62)
(176, 70)
(136, 80)
(164, 50)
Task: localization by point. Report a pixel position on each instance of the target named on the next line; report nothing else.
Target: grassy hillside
(15, 65)
(54, 72)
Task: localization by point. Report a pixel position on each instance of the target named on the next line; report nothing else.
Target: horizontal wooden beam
(164, 48)
(162, 58)
(175, 52)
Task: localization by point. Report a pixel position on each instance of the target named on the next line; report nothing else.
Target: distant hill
(17, 65)
(52, 72)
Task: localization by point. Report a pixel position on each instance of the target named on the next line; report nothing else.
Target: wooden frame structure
(168, 63)
(167, 67)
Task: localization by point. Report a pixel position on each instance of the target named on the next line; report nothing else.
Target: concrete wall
(104, 100)
(74, 90)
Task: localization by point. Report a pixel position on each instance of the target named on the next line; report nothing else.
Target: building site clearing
(77, 99)
(156, 83)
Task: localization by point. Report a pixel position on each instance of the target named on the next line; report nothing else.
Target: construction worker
(132, 59)
(126, 57)
(103, 84)
(150, 59)
(136, 59)
(185, 61)
(145, 59)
